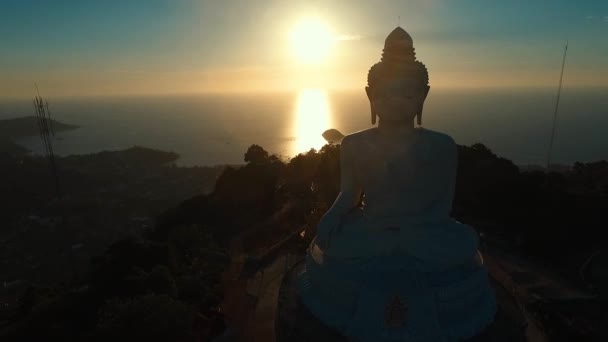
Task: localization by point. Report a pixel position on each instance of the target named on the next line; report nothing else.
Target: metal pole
(559, 90)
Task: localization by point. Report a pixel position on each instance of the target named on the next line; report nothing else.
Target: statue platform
(295, 322)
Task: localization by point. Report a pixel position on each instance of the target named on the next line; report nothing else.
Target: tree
(150, 318)
(256, 155)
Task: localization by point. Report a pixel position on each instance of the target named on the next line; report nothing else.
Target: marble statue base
(295, 323)
(396, 298)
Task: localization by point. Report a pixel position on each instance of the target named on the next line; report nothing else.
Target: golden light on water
(311, 119)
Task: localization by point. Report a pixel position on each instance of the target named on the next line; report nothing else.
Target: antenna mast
(43, 118)
(559, 90)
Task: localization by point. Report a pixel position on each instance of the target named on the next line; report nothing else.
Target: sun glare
(311, 41)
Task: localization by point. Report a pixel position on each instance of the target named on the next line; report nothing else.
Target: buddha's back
(400, 269)
(404, 174)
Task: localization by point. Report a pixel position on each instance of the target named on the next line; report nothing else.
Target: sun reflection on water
(311, 119)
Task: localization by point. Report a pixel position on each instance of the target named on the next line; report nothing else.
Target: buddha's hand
(327, 229)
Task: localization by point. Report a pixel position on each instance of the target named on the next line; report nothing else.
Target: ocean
(218, 129)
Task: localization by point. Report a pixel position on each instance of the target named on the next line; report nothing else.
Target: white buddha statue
(395, 266)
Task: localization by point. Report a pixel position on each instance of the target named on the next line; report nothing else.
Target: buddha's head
(397, 85)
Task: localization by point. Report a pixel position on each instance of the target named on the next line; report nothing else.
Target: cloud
(349, 37)
(602, 18)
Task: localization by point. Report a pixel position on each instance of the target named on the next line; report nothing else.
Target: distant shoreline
(212, 130)
(15, 128)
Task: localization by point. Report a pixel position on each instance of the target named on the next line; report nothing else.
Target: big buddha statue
(388, 262)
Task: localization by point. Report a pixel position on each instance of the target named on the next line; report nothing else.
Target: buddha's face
(397, 100)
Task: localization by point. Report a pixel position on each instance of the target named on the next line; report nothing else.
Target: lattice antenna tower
(45, 126)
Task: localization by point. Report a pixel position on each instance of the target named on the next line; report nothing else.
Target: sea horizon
(213, 129)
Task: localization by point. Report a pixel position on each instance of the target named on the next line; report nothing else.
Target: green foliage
(34, 296)
(11, 149)
(256, 155)
(197, 262)
(192, 247)
(136, 157)
(591, 177)
(147, 318)
(158, 281)
(118, 273)
(166, 285)
(485, 184)
(556, 217)
(249, 189)
(300, 190)
(54, 317)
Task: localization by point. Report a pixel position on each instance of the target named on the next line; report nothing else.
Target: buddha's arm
(350, 190)
(449, 166)
(349, 196)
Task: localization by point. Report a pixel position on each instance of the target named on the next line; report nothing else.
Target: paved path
(250, 304)
(526, 281)
(261, 326)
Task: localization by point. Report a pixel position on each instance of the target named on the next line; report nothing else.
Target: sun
(311, 41)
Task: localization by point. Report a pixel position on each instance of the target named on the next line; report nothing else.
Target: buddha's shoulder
(359, 136)
(439, 144)
(437, 137)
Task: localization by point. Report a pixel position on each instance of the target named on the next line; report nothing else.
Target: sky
(117, 47)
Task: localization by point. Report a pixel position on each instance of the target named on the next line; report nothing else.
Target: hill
(10, 148)
(25, 126)
(167, 281)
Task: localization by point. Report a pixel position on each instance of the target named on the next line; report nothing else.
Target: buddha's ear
(371, 104)
(419, 115)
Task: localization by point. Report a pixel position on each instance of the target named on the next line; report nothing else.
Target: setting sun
(311, 41)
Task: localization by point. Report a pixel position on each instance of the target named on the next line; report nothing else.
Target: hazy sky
(85, 47)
